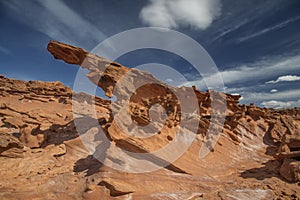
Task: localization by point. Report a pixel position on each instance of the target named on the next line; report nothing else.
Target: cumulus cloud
(273, 90)
(285, 78)
(280, 104)
(198, 14)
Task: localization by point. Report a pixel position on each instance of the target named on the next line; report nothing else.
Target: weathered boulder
(290, 170)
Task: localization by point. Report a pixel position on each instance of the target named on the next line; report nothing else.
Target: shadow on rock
(89, 163)
(268, 170)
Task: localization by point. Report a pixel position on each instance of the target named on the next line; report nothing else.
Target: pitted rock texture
(43, 156)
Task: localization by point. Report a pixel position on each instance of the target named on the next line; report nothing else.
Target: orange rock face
(57, 144)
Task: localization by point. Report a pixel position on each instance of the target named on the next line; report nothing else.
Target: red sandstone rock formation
(43, 157)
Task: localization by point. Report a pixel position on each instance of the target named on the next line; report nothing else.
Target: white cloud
(266, 30)
(253, 77)
(252, 72)
(250, 94)
(55, 19)
(230, 29)
(198, 14)
(237, 94)
(285, 78)
(280, 104)
(265, 96)
(169, 80)
(273, 90)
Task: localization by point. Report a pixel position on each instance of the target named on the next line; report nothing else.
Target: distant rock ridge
(43, 157)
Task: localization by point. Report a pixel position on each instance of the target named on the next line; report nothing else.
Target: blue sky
(255, 44)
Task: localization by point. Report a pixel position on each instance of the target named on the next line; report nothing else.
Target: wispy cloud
(253, 76)
(266, 30)
(280, 104)
(260, 70)
(286, 95)
(173, 14)
(285, 78)
(230, 29)
(250, 94)
(5, 50)
(55, 19)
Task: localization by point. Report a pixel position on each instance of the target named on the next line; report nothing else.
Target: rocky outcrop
(43, 126)
(282, 127)
(110, 72)
(10, 146)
